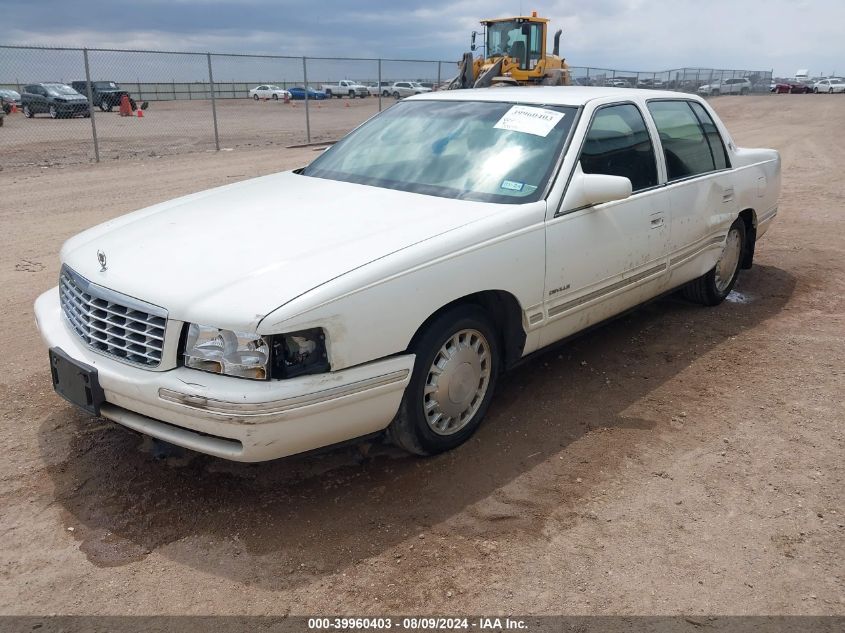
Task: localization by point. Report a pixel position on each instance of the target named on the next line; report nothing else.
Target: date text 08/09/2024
(417, 624)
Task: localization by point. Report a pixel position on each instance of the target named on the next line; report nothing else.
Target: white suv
(726, 87)
(407, 89)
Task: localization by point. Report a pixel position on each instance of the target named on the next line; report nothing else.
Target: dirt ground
(178, 127)
(681, 460)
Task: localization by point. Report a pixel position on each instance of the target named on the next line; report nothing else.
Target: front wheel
(275, 97)
(351, 94)
(455, 371)
(27, 112)
(54, 114)
(712, 287)
(255, 97)
(715, 93)
(396, 95)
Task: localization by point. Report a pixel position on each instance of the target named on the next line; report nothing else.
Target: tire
(743, 92)
(328, 94)
(385, 93)
(351, 94)
(54, 114)
(715, 93)
(275, 97)
(830, 91)
(429, 422)
(712, 287)
(27, 112)
(255, 97)
(396, 95)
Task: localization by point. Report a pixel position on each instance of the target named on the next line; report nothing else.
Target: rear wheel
(455, 372)
(54, 114)
(275, 97)
(351, 94)
(27, 112)
(396, 95)
(712, 287)
(744, 91)
(716, 93)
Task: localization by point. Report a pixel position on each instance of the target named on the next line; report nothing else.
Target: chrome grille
(112, 323)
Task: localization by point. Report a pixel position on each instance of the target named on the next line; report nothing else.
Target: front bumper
(72, 108)
(234, 418)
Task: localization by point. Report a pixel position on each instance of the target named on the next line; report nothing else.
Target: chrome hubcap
(457, 382)
(728, 261)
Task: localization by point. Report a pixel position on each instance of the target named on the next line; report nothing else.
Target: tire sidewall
(716, 295)
(411, 410)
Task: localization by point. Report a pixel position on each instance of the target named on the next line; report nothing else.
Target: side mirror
(587, 190)
(601, 188)
(472, 45)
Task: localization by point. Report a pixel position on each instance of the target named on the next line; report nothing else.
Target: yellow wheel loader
(514, 54)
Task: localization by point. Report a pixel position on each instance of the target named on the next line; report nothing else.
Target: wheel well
(749, 218)
(504, 310)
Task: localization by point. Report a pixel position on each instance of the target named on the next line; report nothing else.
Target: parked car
(829, 85)
(617, 83)
(402, 89)
(269, 91)
(736, 86)
(2, 114)
(792, 87)
(104, 94)
(654, 84)
(58, 100)
(298, 92)
(384, 88)
(8, 98)
(553, 199)
(345, 88)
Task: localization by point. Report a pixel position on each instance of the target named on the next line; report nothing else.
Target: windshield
(60, 89)
(515, 38)
(105, 85)
(469, 150)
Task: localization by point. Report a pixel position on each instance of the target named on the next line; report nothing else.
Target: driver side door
(606, 258)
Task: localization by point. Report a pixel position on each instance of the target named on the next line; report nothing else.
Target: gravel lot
(178, 127)
(681, 460)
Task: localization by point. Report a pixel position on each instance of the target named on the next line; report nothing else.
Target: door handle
(657, 220)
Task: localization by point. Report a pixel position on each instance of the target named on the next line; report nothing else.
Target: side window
(687, 151)
(711, 132)
(618, 144)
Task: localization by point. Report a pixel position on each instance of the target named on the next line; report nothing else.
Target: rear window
(685, 147)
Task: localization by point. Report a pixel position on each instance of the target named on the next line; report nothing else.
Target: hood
(227, 257)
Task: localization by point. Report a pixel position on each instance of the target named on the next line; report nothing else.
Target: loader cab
(522, 39)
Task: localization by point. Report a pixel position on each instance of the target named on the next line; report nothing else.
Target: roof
(551, 95)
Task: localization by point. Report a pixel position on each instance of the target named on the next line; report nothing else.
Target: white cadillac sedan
(471, 229)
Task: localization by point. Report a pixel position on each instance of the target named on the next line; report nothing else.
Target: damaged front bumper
(235, 418)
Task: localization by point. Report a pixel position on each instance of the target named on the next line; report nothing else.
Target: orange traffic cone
(347, 104)
(125, 108)
(14, 108)
(140, 113)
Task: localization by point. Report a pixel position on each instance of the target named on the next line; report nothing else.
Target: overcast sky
(629, 34)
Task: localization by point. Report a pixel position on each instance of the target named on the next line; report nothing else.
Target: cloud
(624, 34)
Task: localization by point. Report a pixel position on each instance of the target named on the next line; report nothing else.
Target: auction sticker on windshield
(537, 121)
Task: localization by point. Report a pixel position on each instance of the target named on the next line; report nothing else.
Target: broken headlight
(299, 353)
(241, 354)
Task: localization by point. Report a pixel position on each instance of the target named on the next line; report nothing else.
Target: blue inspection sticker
(512, 185)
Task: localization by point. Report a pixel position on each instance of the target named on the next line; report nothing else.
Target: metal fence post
(213, 102)
(379, 85)
(437, 87)
(307, 115)
(91, 105)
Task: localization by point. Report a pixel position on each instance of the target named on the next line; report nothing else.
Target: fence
(206, 102)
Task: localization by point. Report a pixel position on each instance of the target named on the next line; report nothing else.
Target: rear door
(700, 186)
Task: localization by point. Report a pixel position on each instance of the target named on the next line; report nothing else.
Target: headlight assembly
(240, 354)
(299, 353)
(248, 355)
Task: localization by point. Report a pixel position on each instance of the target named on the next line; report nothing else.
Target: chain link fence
(71, 105)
